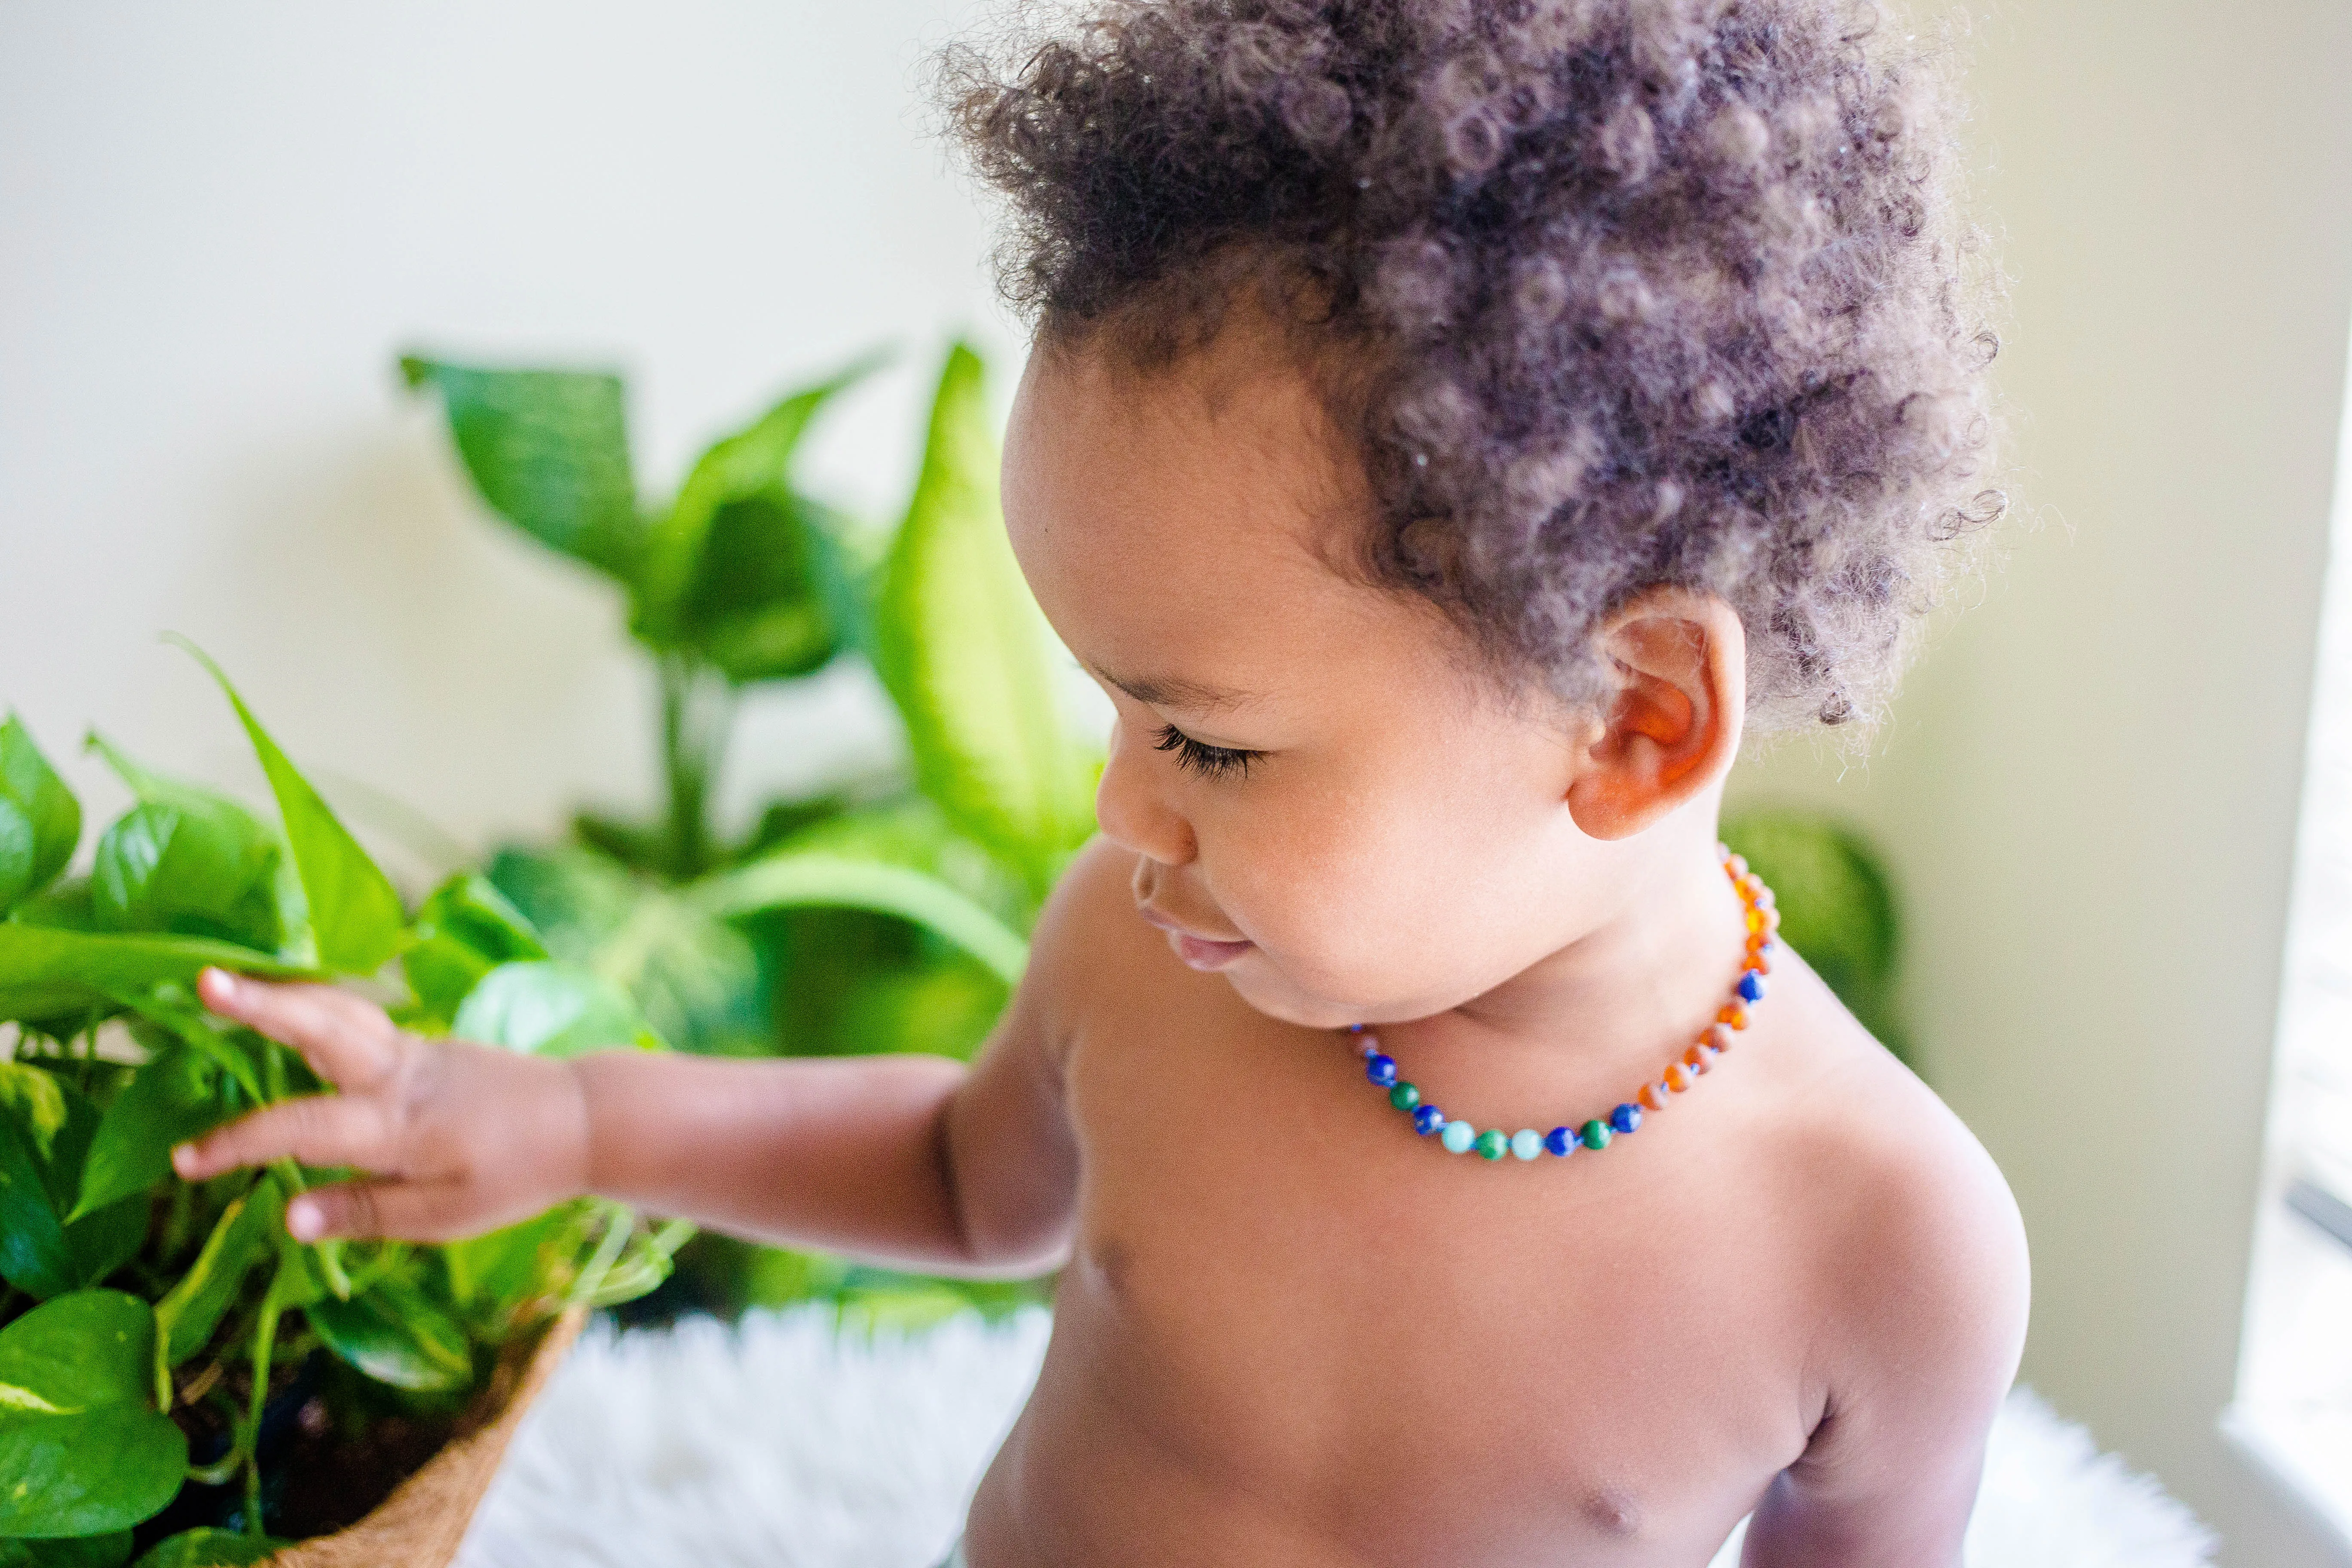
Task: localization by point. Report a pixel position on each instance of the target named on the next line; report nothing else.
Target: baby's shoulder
(1901, 1216)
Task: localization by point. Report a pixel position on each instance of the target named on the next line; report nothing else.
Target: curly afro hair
(1610, 294)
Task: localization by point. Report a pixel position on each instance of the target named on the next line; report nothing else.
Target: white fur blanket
(784, 1443)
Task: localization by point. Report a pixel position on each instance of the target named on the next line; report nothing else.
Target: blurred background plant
(886, 914)
(1837, 909)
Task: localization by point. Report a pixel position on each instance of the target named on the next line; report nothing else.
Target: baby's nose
(1134, 815)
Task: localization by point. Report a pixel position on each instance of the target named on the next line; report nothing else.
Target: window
(2293, 1408)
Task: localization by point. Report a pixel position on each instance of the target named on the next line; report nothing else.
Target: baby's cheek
(1355, 917)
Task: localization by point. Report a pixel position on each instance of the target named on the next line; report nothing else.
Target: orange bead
(1772, 919)
(1718, 1038)
(1653, 1096)
(1758, 963)
(1678, 1077)
(1694, 1059)
(1736, 866)
(1735, 1016)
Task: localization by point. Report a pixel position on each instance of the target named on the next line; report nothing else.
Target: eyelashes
(1210, 761)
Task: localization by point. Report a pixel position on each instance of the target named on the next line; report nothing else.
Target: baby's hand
(458, 1139)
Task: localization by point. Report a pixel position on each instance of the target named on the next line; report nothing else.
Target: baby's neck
(1620, 993)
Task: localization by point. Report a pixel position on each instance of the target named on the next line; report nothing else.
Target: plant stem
(265, 1338)
(607, 1252)
(698, 711)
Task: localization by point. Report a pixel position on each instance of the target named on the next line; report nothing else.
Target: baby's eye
(1213, 762)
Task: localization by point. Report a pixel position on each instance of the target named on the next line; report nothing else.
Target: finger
(315, 1129)
(347, 1041)
(401, 1211)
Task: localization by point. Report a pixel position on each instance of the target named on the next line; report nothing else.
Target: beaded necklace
(1456, 1137)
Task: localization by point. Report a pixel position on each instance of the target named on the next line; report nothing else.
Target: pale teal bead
(1457, 1137)
(1527, 1143)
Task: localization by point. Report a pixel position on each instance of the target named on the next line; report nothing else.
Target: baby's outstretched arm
(908, 1159)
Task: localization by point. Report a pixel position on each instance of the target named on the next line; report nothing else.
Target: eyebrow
(1174, 691)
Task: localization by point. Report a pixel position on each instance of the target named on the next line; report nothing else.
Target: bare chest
(1280, 1289)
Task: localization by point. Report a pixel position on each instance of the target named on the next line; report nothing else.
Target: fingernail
(223, 982)
(183, 1159)
(303, 1221)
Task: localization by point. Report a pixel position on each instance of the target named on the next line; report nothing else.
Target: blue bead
(1355, 1028)
(1381, 1070)
(1561, 1140)
(1751, 987)
(1427, 1118)
(1626, 1118)
(1457, 1137)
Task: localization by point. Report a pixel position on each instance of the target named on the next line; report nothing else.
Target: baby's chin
(1269, 988)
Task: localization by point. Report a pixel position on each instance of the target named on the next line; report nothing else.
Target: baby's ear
(1680, 659)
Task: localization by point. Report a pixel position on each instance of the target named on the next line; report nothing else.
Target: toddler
(1450, 427)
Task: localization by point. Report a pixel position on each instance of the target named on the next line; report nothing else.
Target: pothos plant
(888, 914)
(151, 1330)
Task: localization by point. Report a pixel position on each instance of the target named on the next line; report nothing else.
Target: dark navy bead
(1427, 1118)
(1751, 987)
(1380, 1067)
(1626, 1118)
(1561, 1140)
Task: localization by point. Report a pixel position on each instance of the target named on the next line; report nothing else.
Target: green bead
(1596, 1134)
(1493, 1144)
(1404, 1096)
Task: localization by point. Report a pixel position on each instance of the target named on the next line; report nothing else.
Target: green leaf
(499, 1277)
(33, 792)
(576, 898)
(76, 1352)
(46, 1128)
(18, 854)
(731, 549)
(394, 1334)
(355, 915)
(790, 879)
(241, 1237)
(191, 868)
(81, 1450)
(549, 450)
(756, 609)
(551, 1009)
(66, 905)
(462, 932)
(109, 1550)
(52, 972)
(169, 1099)
(1837, 908)
(697, 983)
(913, 831)
(34, 1103)
(209, 1548)
(32, 1253)
(964, 653)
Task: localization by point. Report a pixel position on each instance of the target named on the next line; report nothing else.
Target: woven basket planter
(420, 1523)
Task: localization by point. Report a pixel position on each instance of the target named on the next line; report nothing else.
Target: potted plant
(179, 1378)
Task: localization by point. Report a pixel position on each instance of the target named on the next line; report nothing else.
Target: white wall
(2089, 788)
(218, 223)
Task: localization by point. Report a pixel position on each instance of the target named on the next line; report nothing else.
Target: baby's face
(1329, 803)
